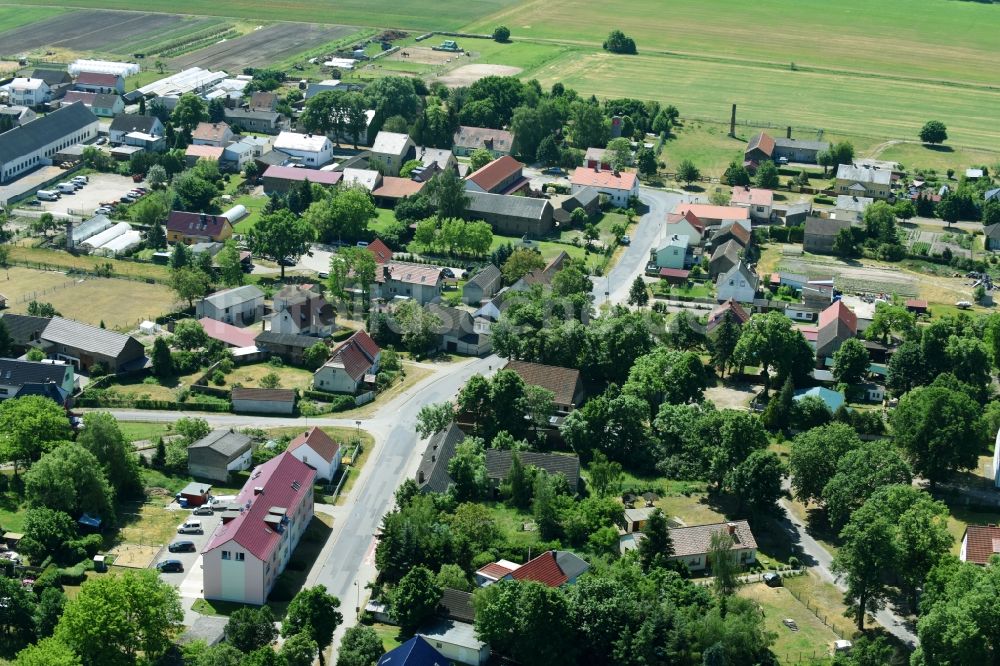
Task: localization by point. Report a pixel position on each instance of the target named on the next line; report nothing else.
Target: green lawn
(136, 430)
(921, 156)
(13, 17)
(255, 207)
(813, 640)
(250, 376)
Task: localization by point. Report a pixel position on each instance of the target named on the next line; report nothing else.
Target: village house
(482, 286)
(390, 151)
(219, 453)
(18, 115)
(239, 306)
(711, 215)
(763, 147)
(588, 199)
(58, 80)
(393, 189)
(758, 201)
(553, 568)
(311, 150)
(397, 279)
(52, 379)
(457, 331)
(441, 158)
(101, 104)
(380, 251)
(501, 176)
(353, 363)
(189, 228)
(251, 548)
(991, 235)
(301, 310)
(688, 224)
(29, 146)
(729, 309)
(122, 126)
(237, 155)
(864, 181)
(692, 544)
(511, 215)
(469, 139)
(837, 324)
(671, 252)
(318, 450)
(286, 346)
(498, 464)
(98, 82)
(724, 257)
(31, 93)
(821, 233)
(732, 230)
(739, 283)
(85, 346)
(455, 641)
(212, 134)
(851, 208)
(619, 186)
(369, 179)
(282, 179)
(432, 474)
(265, 122)
(565, 383)
(980, 543)
(194, 153)
(414, 652)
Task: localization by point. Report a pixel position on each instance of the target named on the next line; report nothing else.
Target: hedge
(338, 402)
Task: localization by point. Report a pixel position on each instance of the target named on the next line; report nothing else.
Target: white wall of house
(324, 469)
(12, 166)
(241, 314)
(334, 379)
(734, 285)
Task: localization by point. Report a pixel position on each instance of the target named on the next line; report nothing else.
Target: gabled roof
(456, 605)
(762, 142)
(409, 273)
(227, 333)
(356, 355)
(318, 441)
(730, 249)
(492, 174)
(801, 144)
(285, 339)
(208, 152)
(391, 143)
(992, 194)
(992, 231)
(263, 101)
(52, 77)
(839, 312)
(498, 464)
(713, 212)
(483, 137)
(397, 188)
(380, 250)
(227, 298)
(433, 467)
(819, 226)
(17, 373)
(44, 130)
(298, 175)
(197, 224)
(268, 395)
(864, 174)
(23, 328)
(224, 442)
(743, 269)
(284, 481)
(697, 539)
(98, 79)
(730, 307)
(981, 543)
(529, 208)
(594, 154)
(134, 123)
(562, 382)
(414, 652)
(553, 568)
(497, 570)
(752, 196)
(692, 219)
(454, 321)
(487, 276)
(85, 337)
(610, 180)
(210, 131)
(733, 230)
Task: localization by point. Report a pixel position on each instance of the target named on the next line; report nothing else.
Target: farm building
(286, 346)
(482, 286)
(565, 383)
(105, 105)
(263, 401)
(864, 181)
(511, 215)
(239, 306)
(469, 139)
(218, 453)
(195, 493)
(457, 332)
(265, 122)
(432, 474)
(763, 147)
(85, 346)
(102, 83)
(33, 145)
(501, 176)
(820, 234)
(281, 179)
(618, 186)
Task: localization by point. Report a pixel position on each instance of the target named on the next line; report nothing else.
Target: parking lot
(102, 187)
(188, 582)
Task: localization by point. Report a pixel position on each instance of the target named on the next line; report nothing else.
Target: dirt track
(262, 47)
(91, 30)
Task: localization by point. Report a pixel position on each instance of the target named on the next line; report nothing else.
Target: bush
(185, 362)
(501, 33)
(218, 378)
(276, 362)
(226, 366)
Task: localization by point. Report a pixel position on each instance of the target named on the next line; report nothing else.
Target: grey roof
(85, 337)
(863, 174)
(453, 320)
(584, 196)
(49, 390)
(487, 276)
(801, 144)
(503, 204)
(456, 605)
(730, 249)
(741, 267)
(134, 123)
(105, 100)
(18, 373)
(852, 203)
(819, 226)
(285, 339)
(992, 194)
(572, 565)
(243, 114)
(224, 442)
(696, 540)
(52, 77)
(227, 298)
(455, 633)
(45, 130)
(390, 143)
(434, 463)
(23, 328)
(992, 231)
(439, 156)
(498, 464)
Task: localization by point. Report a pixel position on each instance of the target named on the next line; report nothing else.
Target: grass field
(813, 640)
(250, 376)
(14, 17)
(120, 304)
(60, 259)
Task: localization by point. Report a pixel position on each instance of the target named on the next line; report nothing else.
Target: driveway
(101, 188)
(188, 582)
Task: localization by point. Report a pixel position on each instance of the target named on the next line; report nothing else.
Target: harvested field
(423, 55)
(262, 47)
(86, 30)
(466, 75)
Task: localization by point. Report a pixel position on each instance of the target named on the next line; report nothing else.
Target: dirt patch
(85, 31)
(262, 47)
(733, 396)
(424, 55)
(133, 556)
(466, 75)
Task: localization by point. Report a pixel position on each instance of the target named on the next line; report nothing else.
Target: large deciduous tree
(315, 613)
(526, 621)
(770, 342)
(415, 598)
(103, 438)
(30, 426)
(281, 236)
(850, 362)
(70, 479)
(251, 628)
(939, 429)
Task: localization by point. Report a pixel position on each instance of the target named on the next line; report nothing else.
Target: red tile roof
(918, 303)
(273, 395)
(197, 224)
(231, 335)
(694, 221)
(762, 141)
(711, 212)
(210, 152)
(719, 313)
(298, 175)
(495, 570)
(380, 250)
(543, 569)
(752, 196)
(318, 441)
(494, 173)
(562, 382)
(981, 542)
(674, 272)
(356, 354)
(839, 311)
(210, 131)
(409, 273)
(737, 231)
(624, 180)
(97, 79)
(397, 188)
(285, 481)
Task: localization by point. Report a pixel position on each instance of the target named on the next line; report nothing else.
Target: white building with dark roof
(33, 145)
(313, 150)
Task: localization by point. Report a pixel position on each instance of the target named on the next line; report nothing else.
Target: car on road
(191, 526)
(553, 171)
(203, 510)
(182, 547)
(625, 240)
(170, 566)
(771, 579)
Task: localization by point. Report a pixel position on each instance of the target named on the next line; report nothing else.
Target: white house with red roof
(688, 225)
(501, 176)
(354, 360)
(259, 532)
(318, 450)
(711, 215)
(756, 200)
(618, 186)
(398, 279)
(553, 568)
(837, 324)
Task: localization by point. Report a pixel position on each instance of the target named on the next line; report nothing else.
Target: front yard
(813, 639)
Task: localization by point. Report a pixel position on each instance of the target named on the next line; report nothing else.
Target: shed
(11, 539)
(263, 401)
(195, 494)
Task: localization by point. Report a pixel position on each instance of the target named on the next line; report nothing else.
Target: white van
(80, 179)
(66, 188)
(47, 195)
(190, 526)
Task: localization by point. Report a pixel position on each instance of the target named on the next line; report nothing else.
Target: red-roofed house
(259, 532)
(318, 450)
(501, 176)
(357, 357)
(393, 189)
(417, 281)
(688, 225)
(618, 186)
(731, 309)
(190, 228)
(711, 215)
(757, 201)
(194, 152)
(494, 571)
(980, 543)
(554, 568)
(916, 305)
(96, 82)
(380, 250)
(837, 324)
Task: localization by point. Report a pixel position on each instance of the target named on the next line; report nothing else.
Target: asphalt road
(613, 288)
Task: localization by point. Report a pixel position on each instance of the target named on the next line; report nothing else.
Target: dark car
(182, 547)
(447, 272)
(203, 510)
(771, 579)
(170, 566)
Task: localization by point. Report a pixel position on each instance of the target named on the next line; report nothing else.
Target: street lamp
(357, 607)
(358, 432)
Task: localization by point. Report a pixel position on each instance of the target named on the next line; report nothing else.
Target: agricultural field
(120, 304)
(85, 30)
(13, 17)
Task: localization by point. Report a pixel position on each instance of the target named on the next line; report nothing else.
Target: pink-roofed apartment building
(259, 532)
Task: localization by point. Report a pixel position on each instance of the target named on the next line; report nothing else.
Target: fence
(76, 270)
(820, 616)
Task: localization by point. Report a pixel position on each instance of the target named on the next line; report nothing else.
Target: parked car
(190, 526)
(126, 198)
(625, 240)
(34, 202)
(203, 510)
(182, 547)
(103, 210)
(323, 275)
(771, 579)
(170, 566)
(101, 140)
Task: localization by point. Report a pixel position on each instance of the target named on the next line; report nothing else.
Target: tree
(939, 429)
(617, 42)
(756, 483)
(188, 112)
(360, 646)
(479, 158)
(51, 603)
(414, 599)
(16, 612)
(194, 192)
(880, 223)
(844, 245)
(434, 418)
(548, 151)
(520, 263)
(770, 342)
(418, 327)
(48, 652)
(501, 33)
(70, 479)
(646, 160)
(103, 438)
(638, 293)
(453, 576)
(343, 215)
(861, 471)
(605, 475)
(519, 485)
(814, 457)
(150, 211)
(904, 209)
(723, 340)
(30, 426)
(447, 191)
(590, 127)
(315, 356)
(47, 532)
(949, 209)
(190, 283)
(281, 236)
(230, 266)
(850, 362)
(299, 650)
(736, 175)
(6, 343)
(163, 362)
(907, 368)
(544, 505)
(467, 469)
(189, 335)
(251, 628)
(890, 319)
(767, 175)
(656, 548)
(313, 612)
(933, 131)
(688, 172)
(526, 621)
(723, 562)
(115, 618)
(957, 622)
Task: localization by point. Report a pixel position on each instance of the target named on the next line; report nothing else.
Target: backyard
(812, 640)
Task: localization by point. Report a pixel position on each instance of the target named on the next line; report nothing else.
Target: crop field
(261, 47)
(86, 31)
(12, 17)
(150, 43)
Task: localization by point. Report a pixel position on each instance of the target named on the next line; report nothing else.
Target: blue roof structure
(833, 399)
(414, 652)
